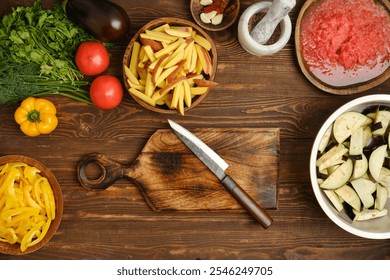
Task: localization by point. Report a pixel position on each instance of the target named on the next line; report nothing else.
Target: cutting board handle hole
(94, 171)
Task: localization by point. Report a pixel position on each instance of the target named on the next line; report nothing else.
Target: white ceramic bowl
(376, 228)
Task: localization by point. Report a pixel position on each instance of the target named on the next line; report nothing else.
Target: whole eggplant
(105, 20)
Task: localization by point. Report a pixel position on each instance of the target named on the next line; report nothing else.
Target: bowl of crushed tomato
(343, 46)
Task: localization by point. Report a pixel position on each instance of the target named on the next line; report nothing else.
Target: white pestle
(266, 27)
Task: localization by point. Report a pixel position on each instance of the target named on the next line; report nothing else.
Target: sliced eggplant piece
(375, 127)
(356, 157)
(325, 139)
(366, 185)
(323, 174)
(382, 117)
(360, 167)
(339, 177)
(335, 199)
(364, 188)
(370, 111)
(371, 115)
(356, 143)
(349, 195)
(381, 196)
(376, 160)
(331, 157)
(346, 124)
(338, 162)
(333, 168)
(375, 142)
(367, 135)
(368, 214)
(384, 178)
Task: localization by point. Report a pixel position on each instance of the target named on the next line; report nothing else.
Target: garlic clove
(211, 14)
(204, 18)
(217, 19)
(206, 2)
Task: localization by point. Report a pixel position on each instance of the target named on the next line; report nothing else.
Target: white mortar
(249, 44)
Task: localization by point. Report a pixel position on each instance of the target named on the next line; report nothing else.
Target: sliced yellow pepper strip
(30, 172)
(8, 184)
(37, 194)
(46, 199)
(7, 234)
(3, 169)
(27, 239)
(28, 198)
(43, 233)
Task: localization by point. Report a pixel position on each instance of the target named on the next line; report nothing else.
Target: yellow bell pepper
(36, 116)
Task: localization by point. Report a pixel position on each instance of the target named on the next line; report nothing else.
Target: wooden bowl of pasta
(169, 65)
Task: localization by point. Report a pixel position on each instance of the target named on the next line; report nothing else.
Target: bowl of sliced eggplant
(350, 167)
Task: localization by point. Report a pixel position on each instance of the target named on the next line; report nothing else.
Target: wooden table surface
(253, 92)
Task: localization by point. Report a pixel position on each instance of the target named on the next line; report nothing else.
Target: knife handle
(247, 202)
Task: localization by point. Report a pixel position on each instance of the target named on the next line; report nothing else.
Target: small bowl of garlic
(215, 15)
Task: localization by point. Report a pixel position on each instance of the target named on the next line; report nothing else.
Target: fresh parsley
(44, 37)
(19, 81)
(37, 48)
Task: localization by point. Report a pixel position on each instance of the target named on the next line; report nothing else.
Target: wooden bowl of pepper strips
(31, 205)
(229, 9)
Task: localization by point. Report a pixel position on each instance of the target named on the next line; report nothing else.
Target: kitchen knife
(218, 166)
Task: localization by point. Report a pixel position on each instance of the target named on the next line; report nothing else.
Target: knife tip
(171, 122)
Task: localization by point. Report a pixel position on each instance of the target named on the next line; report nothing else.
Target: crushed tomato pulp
(346, 41)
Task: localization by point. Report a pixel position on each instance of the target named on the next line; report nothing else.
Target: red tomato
(106, 92)
(92, 58)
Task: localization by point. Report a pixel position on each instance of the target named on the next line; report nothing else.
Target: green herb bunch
(44, 37)
(37, 49)
(19, 81)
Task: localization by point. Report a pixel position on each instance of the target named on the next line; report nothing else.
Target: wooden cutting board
(170, 177)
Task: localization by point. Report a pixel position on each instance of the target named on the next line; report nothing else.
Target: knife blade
(218, 166)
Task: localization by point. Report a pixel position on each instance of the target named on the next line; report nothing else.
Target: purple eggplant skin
(105, 20)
